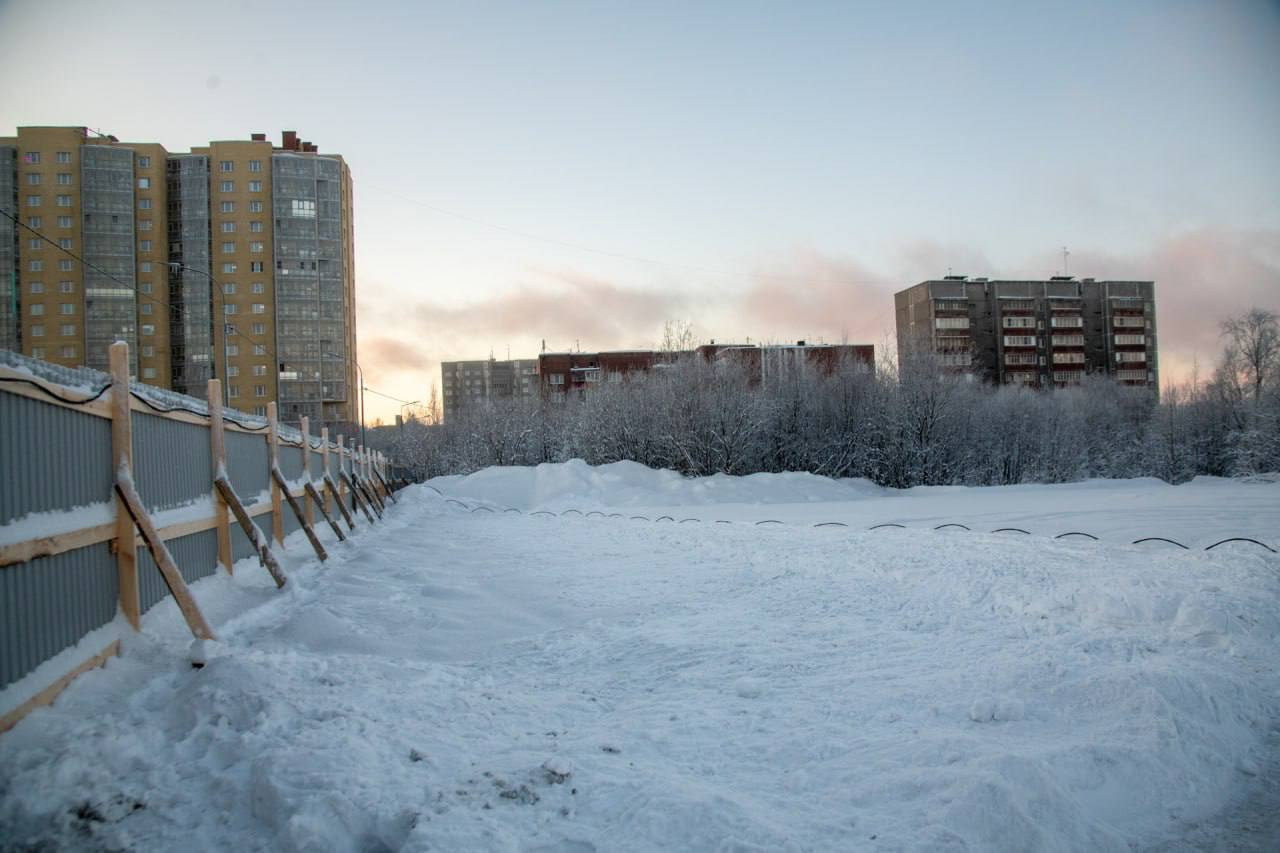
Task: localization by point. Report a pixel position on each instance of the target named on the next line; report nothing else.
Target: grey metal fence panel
(290, 462)
(290, 520)
(171, 461)
(317, 465)
(49, 603)
(247, 464)
(241, 547)
(53, 458)
(196, 555)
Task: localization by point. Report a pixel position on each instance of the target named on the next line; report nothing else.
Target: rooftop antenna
(1065, 253)
(544, 344)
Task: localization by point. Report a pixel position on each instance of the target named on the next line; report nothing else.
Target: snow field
(457, 680)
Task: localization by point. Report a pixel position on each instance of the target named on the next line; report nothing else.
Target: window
(37, 287)
(259, 390)
(259, 308)
(67, 309)
(35, 266)
(229, 308)
(36, 221)
(33, 201)
(144, 308)
(228, 268)
(228, 186)
(228, 248)
(255, 207)
(66, 287)
(144, 183)
(144, 224)
(144, 287)
(37, 352)
(148, 373)
(228, 228)
(34, 178)
(64, 157)
(37, 310)
(255, 165)
(233, 370)
(255, 246)
(64, 221)
(304, 209)
(260, 411)
(64, 201)
(148, 351)
(228, 207)
(64, 179)
(35, 244)
(555, 378)
(65, 265)
(255, 227)
(259, 370)
(31, 157)
(68, 330)
(144, 246)
(144, 162)
(233, 349)
(259, 329)
(226, 166)
(37, 331)
(145, 266)
(64, 243)
(257, 287)
(255, 266)
(259, 349)
(255, 186)
(233, 390)
(148, 329)
(229, 288)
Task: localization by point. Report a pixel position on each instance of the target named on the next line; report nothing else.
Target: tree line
(898, 425)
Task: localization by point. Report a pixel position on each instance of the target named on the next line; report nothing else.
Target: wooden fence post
(122, 457)
(342, 452)
(273, 456)
(306, 466)
(218, 454)
(324, 463)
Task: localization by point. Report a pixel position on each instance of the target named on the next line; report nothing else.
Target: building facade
(467, 384)
(1043, 333)
(233, 261)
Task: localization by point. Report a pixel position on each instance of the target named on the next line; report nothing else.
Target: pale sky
(580, 172)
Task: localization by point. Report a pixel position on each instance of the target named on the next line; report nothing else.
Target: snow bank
(457, 680)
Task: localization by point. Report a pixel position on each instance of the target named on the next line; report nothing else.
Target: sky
(578, 174)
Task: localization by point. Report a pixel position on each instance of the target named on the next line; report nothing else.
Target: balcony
(1131, 357)
(1125, 322)
(1132, 375)
(1018, 322)
(1068, 358)
(1066, 322)
(1130, 340)
(1020, 340)
(1020, 358)
(951, 323)
(1068, 340)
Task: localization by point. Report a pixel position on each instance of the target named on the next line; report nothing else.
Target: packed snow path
(456, 680)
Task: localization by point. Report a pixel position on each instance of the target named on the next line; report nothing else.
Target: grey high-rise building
(1041, 333)
(466, 384)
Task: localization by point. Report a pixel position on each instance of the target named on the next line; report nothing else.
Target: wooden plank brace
(164, 560)
(298, 513)
(319, 503)
(355, 496)
(332, 488)
(250, 529)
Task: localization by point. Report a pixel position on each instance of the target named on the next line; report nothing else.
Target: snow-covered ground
(463, 678)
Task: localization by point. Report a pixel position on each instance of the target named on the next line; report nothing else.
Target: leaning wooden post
(306, 465)
(324, 463)
(122, 458)
(273, 459)
(218, 455)
(342, 452)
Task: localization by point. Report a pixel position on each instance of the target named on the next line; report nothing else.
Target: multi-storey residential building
(769, 363)
(467, 384)
(575, 372)
(233, 261)
(1038, 333)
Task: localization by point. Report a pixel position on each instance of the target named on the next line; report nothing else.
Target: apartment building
(576, 372)
(1037, 333)
(769, 363)
(467, 384)
(234, 260)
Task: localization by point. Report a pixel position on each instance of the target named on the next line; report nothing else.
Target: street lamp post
(364, 439)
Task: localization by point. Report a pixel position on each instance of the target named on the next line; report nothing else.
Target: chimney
(289, 140)
(257, 137)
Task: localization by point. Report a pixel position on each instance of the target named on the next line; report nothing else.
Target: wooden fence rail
(365, 486)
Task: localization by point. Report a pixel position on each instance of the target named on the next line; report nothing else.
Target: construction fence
(115, 495)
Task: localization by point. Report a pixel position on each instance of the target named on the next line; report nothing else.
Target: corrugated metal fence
(59, 575)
